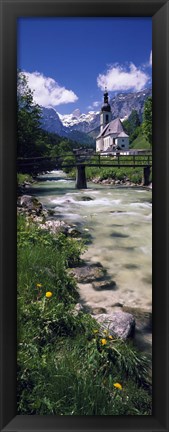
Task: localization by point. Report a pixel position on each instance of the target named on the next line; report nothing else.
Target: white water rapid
(119, 221)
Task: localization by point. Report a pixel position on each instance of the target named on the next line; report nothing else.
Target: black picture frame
(159, 11)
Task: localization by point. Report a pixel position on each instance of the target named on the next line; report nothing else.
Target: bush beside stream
(126, 175)
(66, 366)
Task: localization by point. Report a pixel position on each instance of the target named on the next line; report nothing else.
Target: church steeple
(106, 100)
(106, 106)
(105, 115)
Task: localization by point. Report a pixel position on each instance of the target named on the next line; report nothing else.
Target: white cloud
(121, 78)
(47, 92)
(96, 104)
(150, 59)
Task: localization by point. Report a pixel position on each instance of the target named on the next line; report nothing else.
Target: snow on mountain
(122, 105)
(76, 118)
(76, 113)
(51, 122)
(75, 123)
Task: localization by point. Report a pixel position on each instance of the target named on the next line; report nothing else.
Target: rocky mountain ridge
(122, 105)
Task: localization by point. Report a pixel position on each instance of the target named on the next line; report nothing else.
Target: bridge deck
(106, 165)
(81, 160)
(130, 160)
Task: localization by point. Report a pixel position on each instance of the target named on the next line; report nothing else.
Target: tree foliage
(132, 122)
(28, 121)
(32, 140)
(132, 125)
(147, 120)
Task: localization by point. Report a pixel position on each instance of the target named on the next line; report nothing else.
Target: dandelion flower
(118, 386)
(103, 341)
(48, 294)
(39, 285)
(105, 332)
(110, 337)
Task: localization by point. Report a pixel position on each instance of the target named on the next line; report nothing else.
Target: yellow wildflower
(105, 332)
(103, 341)
(48, 294)
(110, 337)
(118, 386)
(39, 285)
(95, 331)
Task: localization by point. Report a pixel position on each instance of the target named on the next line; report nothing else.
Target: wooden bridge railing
(115, 159)
(81, 160)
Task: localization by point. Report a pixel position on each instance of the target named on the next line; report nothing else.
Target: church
(112, 135)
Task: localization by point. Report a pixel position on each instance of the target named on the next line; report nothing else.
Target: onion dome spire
(106, 106)
(106, 96)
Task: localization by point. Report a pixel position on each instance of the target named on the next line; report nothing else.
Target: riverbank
(124, 176)
(120, 242)
(117, 221)
(50, 325)
(117, 182)
(98, 293)
(25, 181)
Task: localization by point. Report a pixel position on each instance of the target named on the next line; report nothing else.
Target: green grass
(124, 174)
(77, 379)
(21, 178)
(63, 367)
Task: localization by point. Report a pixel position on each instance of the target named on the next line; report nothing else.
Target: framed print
(84, 121)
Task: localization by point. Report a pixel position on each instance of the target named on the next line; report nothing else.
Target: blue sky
(69, 61)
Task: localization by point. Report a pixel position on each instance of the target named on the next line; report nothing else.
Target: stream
(119, 222)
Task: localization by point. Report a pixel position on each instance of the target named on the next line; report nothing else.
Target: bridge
(82, 158)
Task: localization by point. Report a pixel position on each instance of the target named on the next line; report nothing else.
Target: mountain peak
(122, 105)
(76, 113)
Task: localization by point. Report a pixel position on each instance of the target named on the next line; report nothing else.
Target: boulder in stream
(30, 203)
(104, 284)
(73, 232)
(88, 273)
(119, 324)
(86, 198)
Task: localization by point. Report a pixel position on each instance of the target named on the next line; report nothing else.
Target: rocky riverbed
(125, 182)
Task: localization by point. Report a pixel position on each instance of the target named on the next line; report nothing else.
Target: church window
(107, 118)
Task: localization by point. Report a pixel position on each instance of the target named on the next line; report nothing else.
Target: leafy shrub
(21, 178)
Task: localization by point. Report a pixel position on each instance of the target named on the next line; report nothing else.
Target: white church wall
(122, 142)
(99, 144)
(107, 142)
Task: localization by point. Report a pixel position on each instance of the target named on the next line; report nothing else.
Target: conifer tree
(147, 120)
